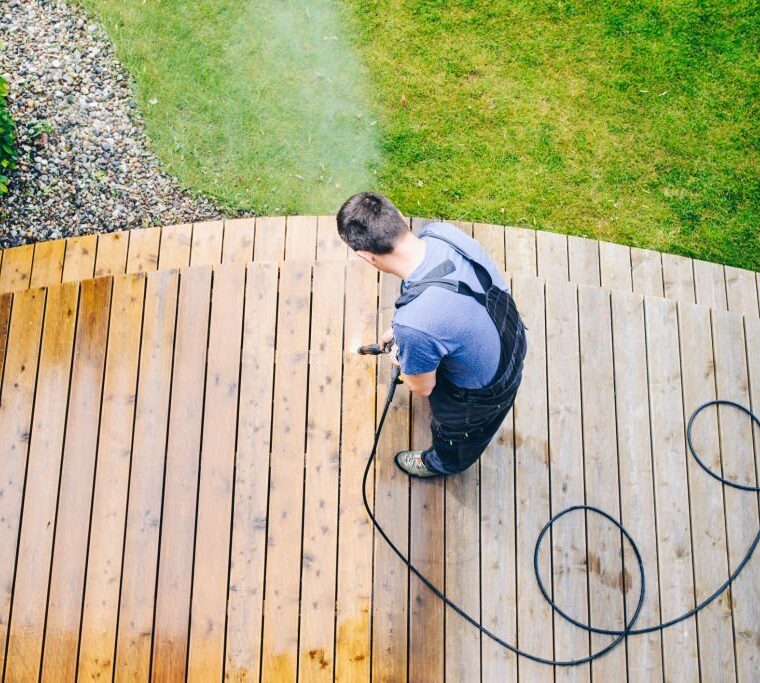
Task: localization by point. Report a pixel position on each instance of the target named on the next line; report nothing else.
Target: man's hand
(386, 337)
(394, 356)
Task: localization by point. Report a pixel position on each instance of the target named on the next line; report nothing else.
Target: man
(459, 338)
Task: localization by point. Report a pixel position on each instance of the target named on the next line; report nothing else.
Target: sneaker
(411, 463)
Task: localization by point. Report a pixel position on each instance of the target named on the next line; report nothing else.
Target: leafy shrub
(8, 153)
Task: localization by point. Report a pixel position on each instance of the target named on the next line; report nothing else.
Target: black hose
(628, 629)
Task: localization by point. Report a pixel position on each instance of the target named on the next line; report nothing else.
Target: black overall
(465, 420)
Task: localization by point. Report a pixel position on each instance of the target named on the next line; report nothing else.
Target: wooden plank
(416, 224)
(552, 255)
(47, 267)
(101, 600)
(615, 266)
(72, 520)
(280, 637)
(217, 474)
(45, 447)
(355, 558)
(5, 321)
(270, 238)
(498, 554)
(111, 258)
(742, 292)
(715, 633)
(637, 510)
(462, 513)
(79, 261)
(142, 255)
(138, 582)
(491, 238)
(329, 243)
(206, 246)
(300, 238)
(249, 541)
(176, 241)
(238, 240)
(608, 577)
(646, 271)
(175, 569)
(532, 505)
(671, 488)
(583, 258)
(16, 268)
(742, 515)
(426, 642)
(320, 533)
(710, 285)
(497, 529)
(678, 278)
(426, 550)
(390, 596)
(568, 539)
(752, 339)
(465, 226)
(520, 245)
(498, 551)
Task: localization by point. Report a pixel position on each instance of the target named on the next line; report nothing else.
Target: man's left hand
(394, 356)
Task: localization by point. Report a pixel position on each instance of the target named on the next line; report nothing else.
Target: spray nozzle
(375, 349)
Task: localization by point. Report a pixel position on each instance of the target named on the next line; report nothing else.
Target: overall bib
(465, 420)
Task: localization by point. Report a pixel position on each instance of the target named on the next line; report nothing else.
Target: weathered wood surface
(183, 452)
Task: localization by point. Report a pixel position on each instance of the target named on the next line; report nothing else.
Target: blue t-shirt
(446, 329)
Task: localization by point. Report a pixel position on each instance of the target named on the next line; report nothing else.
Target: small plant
(40, 130)
(8, 153)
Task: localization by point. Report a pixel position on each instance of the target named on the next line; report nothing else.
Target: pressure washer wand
(377, 350)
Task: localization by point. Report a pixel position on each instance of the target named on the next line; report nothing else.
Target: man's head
(371, 226)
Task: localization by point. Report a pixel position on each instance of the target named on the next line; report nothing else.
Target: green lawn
(631, 121)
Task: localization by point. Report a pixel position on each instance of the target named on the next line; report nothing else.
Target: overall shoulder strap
(484, 277)
(441, 270)
(412, 291)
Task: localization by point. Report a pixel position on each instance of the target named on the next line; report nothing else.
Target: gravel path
(85, 162)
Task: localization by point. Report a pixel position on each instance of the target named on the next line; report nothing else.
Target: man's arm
(420, 385)
(418, 355)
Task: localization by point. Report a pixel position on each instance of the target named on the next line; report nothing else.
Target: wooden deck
(298, 238)
(182, 453)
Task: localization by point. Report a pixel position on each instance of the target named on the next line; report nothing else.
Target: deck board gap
(200, 465)
(95, 468)
(654, 488)
(686, 456)
(60, 473)
(129, 475)
(151, 662)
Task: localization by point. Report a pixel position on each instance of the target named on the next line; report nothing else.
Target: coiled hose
(628, 629)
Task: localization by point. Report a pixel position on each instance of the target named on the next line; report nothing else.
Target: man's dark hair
(369, 222)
